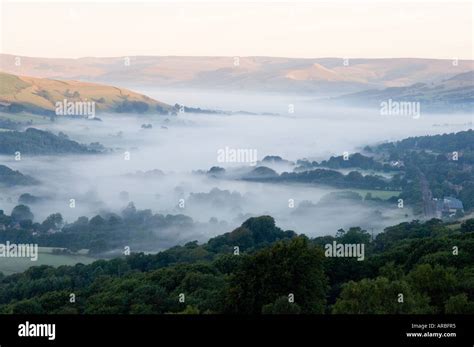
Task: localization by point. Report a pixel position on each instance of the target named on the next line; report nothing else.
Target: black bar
(381, 330)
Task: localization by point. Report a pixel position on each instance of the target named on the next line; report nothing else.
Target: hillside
(418, 164)
(328, 75)
(455, 94)
(9, 177)
(40, 95)
(38, 142)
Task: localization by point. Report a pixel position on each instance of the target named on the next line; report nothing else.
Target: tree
(190, 310)
(380, 296)
(96, 222)
(459, 304)
(53, 221)
(293, 267)
(467, 226)
(436, 282)
(21, 213)
(254, 233)
(30, 306)
(282, 306)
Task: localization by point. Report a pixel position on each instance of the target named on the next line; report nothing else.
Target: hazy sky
(442, 29)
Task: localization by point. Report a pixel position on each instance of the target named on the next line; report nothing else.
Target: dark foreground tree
(292, 268)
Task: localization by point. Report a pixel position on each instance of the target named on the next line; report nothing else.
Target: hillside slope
(452, 94)
(10, 178)
(38, 142)
(40, 95)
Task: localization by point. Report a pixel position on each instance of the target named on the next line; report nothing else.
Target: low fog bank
(191, 141)
(162, 158)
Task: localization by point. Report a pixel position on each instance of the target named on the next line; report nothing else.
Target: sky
(351, 29)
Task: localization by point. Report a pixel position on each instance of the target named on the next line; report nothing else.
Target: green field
(25, 117)
(382, 194)
(45, 257)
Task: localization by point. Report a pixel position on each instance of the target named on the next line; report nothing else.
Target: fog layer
(159, 174)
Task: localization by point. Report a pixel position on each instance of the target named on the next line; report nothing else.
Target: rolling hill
(10, 178)
(295, 75)
(452, 94)
(38, 142)
(40, 95)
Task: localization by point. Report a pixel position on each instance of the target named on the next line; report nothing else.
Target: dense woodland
(38, 142)
(9, 177)
(98, 234)
(414, 259)
(445, 161)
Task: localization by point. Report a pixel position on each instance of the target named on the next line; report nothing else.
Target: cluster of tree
(11, 125)
(353, 179)
(127, 106)
(258, 268)
(428, 263)
(355, 160)
(275, 159)
(98, 234)
(39, 142)
(27, 199)
(460, 141)
(180, 108)
(445, 161)
(10, 178)
(17, 107)
(218, 198)
(261, 173)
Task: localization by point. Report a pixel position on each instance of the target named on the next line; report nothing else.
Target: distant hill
(40, 95)
(296, 75)
(462, 141)
(452, 94)
(38, 142)
(9, 177)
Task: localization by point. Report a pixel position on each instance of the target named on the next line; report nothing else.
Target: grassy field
(42, 94)
(24, 117)
(45, 257)
(382, 194)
